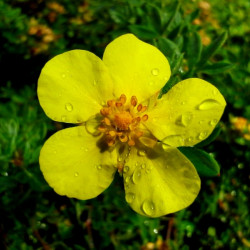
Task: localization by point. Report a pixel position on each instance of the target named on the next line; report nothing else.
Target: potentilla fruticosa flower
(121, 125)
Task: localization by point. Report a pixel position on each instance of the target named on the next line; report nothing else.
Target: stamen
(123, 138)
(123, 98)
(107, 121)
(144, 108)
(111, 103)
(131, 142)
(102, 128)
(144, 118)
(105, 111)
(112, 133)
(118, 104)
(133, 101)
(139, 107)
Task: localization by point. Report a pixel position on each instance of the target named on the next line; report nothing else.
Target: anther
(102, 128)
(111, 103)
(105, 111)
(111, 142)
(118, 104)
(123, 138)
(112, 133)
(131, 142)
(139, 107)
(123, 98)
(107, 121)
(144, 108)
(133, 101)
(144, 118)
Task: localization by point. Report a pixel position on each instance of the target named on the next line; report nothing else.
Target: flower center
(121, 120)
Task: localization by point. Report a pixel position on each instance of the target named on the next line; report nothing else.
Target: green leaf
(143, 32)
(154, 17)
(194, 47)
(212, 48)
(204, 163)
(216, 68)
(210, 138)
(167, 47)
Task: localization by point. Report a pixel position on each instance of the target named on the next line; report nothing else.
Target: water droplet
(215, 92)
(136, 176)
(155, 72)
(86, 149)
(213, 122)
(64, 117)
(69, 107)
(76, 174)
(126, 169)
(129, 197)
(208, 104)
(190, 139)
(148, 207)
(94, 82)
(155, 231)
(127, 179)
(148, 169)
(63, 75)
(119, 159)
(184, 120)
(202, 135)
(141, 152)
(98, 167)
(143, 165)
(91, 127)
(182, 103)
(173, 140)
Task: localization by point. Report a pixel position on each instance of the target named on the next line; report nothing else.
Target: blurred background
(205, 39)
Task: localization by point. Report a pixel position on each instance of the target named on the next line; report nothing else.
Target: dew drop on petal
(136, 176)
(148, 169)
(173, 140)
(76, 174)
(98, 167)
(63, 118)
(129, 197)
(126, 169)
(143, 165)
(69, 107)
(63, 75)
(155, 72)
(202, 135)
(148, 207)
(208, 104)
(127, 179)
(213, 122)
(141, 152)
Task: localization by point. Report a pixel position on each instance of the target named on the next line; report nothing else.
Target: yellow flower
(122, 125)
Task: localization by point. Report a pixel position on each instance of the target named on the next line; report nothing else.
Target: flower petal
(73, 85)
(74, 165)
(187, 114)
(138, 68)
(160, 183)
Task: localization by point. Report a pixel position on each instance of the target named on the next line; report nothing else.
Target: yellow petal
(73, 85)
(187, 113)
(160, 183)
(74, 165)
(138, 68)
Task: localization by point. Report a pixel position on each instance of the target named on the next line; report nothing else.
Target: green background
(209, 40)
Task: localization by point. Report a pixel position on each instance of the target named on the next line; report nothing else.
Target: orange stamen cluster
(121, 120)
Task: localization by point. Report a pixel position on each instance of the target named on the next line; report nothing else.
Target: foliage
(201, 39)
